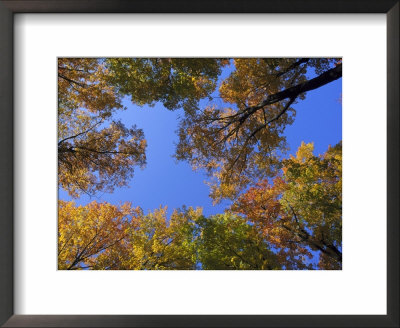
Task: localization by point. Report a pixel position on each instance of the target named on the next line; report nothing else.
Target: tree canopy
(95, 152)
(279, 225)
(241, 140)
(303, 206)
(285, 212)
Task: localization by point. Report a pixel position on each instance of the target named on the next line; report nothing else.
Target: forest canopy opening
(284, 208)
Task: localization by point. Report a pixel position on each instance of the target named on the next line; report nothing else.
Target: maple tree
(86, 232)
(95, 151)
(302, 209)
(159, 243)
(175, 82)
(240, 140)
(229, 242)
(102, 236)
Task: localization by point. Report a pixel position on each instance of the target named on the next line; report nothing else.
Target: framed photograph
(208, 164)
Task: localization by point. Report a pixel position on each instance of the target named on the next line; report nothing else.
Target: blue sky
(166, 182)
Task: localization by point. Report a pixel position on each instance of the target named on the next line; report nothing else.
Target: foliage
(85, 232)
(285, 212)
(236, 142)
(101, 236)
(228, 242)
(95, 152)
(175, 82)
(302, 209)
(241, 140)
(157, 243)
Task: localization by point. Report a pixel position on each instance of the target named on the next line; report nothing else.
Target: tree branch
(79, 134)
(293, 66)
(71, 81)
(290, 93)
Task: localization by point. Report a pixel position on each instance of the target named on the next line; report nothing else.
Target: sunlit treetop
(85, 232)
(241, 139)
(302, 209)
(101, 236)
(175, 82)
(229, 242)
(95, 151)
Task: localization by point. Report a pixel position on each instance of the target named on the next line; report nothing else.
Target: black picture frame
(7, 10)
